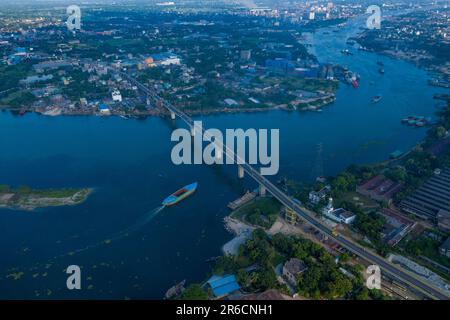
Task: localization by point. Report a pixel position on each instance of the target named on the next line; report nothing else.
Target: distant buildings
(230, 102)
(104, 110)
(116, 96)
(432, 199)
(380, 189)
(246, 55)
(165, 59)
(33, 79)
(280, 65)
(51, 65)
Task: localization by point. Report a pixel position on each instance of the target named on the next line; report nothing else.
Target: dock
(247, 197)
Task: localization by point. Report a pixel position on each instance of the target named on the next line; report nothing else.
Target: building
(432, 198)
(443, 220)
(444, 249)
(33, 79)
(223, 286)
(104, 110)
(280, 65)
(338, 215)
(396, 227)
(380, 188)
(231, 102)
(116, 96)
(165, 59)
(291, 269)
(316, 196)
(246, 55)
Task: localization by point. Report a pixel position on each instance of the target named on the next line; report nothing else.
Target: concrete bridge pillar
(262, 190)
(172, 115)
(240, 172)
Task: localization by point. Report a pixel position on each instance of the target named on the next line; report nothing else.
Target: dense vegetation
(322, 279)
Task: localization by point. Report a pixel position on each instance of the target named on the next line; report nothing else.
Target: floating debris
(15, 275)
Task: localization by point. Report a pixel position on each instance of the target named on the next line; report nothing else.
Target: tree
(363, 294)
(194, 292)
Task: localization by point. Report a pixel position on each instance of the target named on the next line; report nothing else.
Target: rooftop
(223, 285)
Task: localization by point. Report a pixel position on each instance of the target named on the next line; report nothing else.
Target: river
(128, 164)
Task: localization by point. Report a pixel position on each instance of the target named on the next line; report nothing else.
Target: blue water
(128, 164)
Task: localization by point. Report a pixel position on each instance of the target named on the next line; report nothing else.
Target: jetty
(247, 197)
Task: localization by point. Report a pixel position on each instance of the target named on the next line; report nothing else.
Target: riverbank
(312, 104)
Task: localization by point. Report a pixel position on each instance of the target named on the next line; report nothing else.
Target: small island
(27, 199)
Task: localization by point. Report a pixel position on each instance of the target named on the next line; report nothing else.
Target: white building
(338, 215)
(116, 96)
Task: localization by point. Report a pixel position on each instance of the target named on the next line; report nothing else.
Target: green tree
(194, 292)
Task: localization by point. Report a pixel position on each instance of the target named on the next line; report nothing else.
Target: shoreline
(162, 113)
(34, 202)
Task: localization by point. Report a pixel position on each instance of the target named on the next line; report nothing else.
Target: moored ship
(179, 195)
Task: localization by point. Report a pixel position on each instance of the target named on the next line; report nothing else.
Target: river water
(128, 164)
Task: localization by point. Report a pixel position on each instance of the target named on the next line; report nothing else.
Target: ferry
(179, 195)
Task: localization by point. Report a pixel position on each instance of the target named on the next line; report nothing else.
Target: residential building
(116, 96)
(316, 196)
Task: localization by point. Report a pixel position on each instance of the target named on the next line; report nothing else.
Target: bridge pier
(262, 190)
(172, 115)
(240, 172)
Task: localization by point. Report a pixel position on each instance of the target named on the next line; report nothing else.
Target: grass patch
(261, 212)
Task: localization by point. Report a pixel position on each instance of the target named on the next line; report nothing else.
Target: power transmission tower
(317, 168)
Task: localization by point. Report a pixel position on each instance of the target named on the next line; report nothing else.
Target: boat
(355, 83)
(347, 52)
(179, 195)
(376, 99)
(381, 70)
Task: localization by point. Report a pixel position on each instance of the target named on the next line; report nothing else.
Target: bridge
(394, 272)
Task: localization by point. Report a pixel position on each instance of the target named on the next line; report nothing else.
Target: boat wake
(144, 220)
(138, 225)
